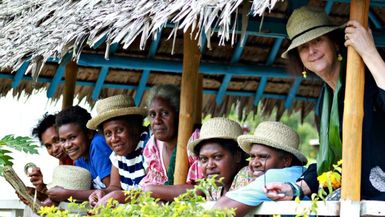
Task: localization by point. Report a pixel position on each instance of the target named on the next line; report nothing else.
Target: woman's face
(319, 55)
(119, 135)
(75, 141)
(216, 160)
(50, 139)
(163, 120)
(263, 158)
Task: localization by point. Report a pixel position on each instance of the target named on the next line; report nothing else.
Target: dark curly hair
(47, 121)
(73, 114)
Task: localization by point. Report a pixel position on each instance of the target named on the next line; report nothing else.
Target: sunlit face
(50, 139)
(119, 135)
(75, 141)
(263, 158)
(163, 120)
(319, 55)
(216, 160)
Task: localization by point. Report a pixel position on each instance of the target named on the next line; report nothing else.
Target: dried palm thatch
(37, 30)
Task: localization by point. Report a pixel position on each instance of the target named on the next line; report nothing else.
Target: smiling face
(74, 140)
(319, 55)
(263, 158)
(120, 136)
(50, 139)
(216, 160)
(163, 120)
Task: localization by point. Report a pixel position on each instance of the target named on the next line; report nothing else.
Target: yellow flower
(330, 178)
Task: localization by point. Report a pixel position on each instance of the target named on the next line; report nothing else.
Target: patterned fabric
(242, 178)
(195, 171)
(131, 167)
(156, 171)
(97, 162)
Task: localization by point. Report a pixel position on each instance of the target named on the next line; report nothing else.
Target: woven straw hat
(71, 177)
(306, 24)
(114, 106)
(217, 128)
(273, 134)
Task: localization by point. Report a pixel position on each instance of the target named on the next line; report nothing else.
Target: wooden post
(198, 100)
(71, 72)
(352, 122)
(191, 59)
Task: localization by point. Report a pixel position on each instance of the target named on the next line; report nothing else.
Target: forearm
(79, 195)
(376, 66)
(166, 192)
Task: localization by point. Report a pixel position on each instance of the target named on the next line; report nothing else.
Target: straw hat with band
(276, 135)
(71, 177)
(306, 24)
(217, 128)
(114, 106)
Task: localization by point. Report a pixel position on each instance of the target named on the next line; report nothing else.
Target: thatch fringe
(36, 30)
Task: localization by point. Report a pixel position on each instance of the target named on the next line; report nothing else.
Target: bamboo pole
(191, 59)
(352, 120)
(71, 72)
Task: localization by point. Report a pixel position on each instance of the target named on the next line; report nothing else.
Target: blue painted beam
(274, 51)
(146, 73)
(204, 43)
(170, 66)
(132, 87)
(328, 6)
(222, 89)
(19, 74)
(260, 90)
(375, 21)
(99, 83)
(293, 91)
(58, 75)
(226, 80)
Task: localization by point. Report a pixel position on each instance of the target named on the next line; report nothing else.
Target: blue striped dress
(132, 167)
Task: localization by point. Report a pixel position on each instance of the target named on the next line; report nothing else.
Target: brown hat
(114, 106)
(276, 135)
(306, 24)
(217, 128)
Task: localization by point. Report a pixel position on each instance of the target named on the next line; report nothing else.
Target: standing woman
(318, 46)
(160, 151)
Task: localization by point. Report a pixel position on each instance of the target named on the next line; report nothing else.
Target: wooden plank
(71, 72)
(191, 59)
(352, 120)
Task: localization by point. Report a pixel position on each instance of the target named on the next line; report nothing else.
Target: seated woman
(218, 153)
(160, 151)
(88, 149)
(122, 126)
(274, 148)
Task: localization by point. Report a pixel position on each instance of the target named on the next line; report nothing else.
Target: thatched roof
(127, 38)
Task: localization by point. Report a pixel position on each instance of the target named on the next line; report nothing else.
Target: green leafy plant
(141, 203)
(20, 143)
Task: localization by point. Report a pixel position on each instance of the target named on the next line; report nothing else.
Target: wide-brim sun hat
(306, 24)
(217, 128)
(114, 106)
(276, 135)
(71, 177)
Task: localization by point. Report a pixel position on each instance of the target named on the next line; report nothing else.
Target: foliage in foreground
(20, 143)
(141, 203)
